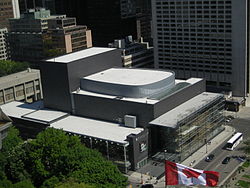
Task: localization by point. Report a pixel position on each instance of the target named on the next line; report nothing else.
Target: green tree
(53, 153)
(9, 143)
(8, 67)
(246, 148)
(70, 182)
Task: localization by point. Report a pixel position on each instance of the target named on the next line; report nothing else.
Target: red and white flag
(178, 174)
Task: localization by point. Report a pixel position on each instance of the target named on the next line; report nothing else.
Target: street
(241, 124)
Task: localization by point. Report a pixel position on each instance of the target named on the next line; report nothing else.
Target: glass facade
(116, 152)
(194, 131)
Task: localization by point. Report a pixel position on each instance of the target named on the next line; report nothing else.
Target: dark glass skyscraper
(108, 20)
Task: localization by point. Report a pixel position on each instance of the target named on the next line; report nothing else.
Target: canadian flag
(178, 174)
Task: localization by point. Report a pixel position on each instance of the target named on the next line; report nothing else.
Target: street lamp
(165, 152)
(206, 143)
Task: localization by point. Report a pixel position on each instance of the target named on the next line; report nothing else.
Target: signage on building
(143, 146)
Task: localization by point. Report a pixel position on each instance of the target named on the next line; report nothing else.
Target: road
(241, 124)
(216, 163)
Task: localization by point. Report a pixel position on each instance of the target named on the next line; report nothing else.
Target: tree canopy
(54, 157)
(9, 67)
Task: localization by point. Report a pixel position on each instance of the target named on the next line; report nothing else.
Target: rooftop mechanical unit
(130, 121)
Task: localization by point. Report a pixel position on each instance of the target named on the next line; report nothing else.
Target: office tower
(9, 9)
(32, 4)
(3, 50)
(144, 20)
(134, 53)
(108, 20)
(204, 38)
(27, 34)
(67, 36)
(32, 38)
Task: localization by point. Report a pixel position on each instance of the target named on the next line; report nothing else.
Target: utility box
(130, 121)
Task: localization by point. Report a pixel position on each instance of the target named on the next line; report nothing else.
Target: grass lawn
(247, 176)
(246, 164)
(244, 184)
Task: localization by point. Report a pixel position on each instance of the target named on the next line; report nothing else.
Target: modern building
(32, 38)
(27, 34)
(144, 20)
(134, 53)
(67, 36)
(3, 49)
(205, 39)
(22, 86)
(127, 114)
(107, 20)
(9, 9)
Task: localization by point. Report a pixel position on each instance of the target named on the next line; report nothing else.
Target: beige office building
(22, 86)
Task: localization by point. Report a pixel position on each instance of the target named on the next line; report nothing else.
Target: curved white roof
(126, 76)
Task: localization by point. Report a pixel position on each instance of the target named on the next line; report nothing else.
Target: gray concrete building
(22, 86)
(3, 49)
(206, 39)
(128, 114)
(134, 53)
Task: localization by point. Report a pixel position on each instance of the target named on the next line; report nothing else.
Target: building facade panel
(199, 38)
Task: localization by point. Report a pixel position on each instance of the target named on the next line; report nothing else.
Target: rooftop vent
(130, 121)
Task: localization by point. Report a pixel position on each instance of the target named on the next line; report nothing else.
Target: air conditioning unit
(130, 121)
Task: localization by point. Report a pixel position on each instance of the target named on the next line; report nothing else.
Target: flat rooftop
(96, 129)
(80, 54)
(32, 112)
(45, 116)
(172, 117)
(15, 77)
(126, 76)
(17, 109)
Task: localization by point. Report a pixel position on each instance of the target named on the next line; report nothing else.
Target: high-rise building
(67, 36)
(144, 20)
(3, 50)
(204, 38)
(9, 9)
(32, 38)
(108, 20)
(26, 37)
(134, 53)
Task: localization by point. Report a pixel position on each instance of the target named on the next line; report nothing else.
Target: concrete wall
(60, 79)
(239, 47)
(135, 143)
(178, 98)
(91, 65)
(112, 109)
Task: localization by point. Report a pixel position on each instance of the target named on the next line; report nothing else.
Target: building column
(41, 88)
(125, 158)
(35, 92)
(90, 139)
(25, 94)
(107, 147)
(4, 97)
(14, 91)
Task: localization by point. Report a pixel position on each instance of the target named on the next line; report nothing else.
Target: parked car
(226, 160)
(209, 158)
(147, 186)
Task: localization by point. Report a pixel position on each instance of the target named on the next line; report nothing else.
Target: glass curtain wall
(194, 131)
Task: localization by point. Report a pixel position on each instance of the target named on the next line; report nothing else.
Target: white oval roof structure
(127, 82)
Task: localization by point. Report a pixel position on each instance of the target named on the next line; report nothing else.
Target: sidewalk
(194, 159)
(215, 142)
